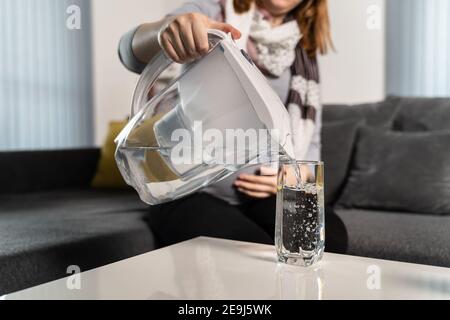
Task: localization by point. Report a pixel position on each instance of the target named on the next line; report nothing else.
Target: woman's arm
(145, 44)
(182, 35)
(183, 38)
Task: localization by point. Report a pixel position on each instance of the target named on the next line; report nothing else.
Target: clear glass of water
(300, 217)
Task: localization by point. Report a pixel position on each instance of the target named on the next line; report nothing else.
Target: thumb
(227, 28)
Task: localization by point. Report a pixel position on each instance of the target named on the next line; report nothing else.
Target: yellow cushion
(108, 175)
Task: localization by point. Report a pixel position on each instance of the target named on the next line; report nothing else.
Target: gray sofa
(50, 218)
(391, 213)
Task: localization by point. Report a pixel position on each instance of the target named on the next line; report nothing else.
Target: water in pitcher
(162, 177)
(160, 181)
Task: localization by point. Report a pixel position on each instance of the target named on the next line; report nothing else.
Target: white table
(206, 268)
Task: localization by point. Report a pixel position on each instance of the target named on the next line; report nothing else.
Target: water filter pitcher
(217, 117)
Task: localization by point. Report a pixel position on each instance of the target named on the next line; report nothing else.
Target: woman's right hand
(186, 36)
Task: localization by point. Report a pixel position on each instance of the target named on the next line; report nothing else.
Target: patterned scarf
(273, 51)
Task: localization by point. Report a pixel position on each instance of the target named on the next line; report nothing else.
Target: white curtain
(418, 47)
(45, 70)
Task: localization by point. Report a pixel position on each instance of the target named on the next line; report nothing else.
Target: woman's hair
(313, 20)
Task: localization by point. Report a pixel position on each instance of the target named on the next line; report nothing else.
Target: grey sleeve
(210, 8)
(126, 54)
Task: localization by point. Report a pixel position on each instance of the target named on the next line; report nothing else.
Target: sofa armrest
(33, 171)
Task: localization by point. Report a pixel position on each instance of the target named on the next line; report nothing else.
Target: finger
(267, 180)
(258, 195)
(200, 37)
(179, 48)
(177, 44)
(227, 28)
(170, 51)
(255, 187)
(187, 38)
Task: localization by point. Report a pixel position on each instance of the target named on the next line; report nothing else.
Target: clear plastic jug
(201, 128)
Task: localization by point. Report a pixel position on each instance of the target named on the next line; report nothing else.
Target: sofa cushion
(381, 114)
(42, 234)
(337, 146)
(400, 171)
(35, 171)
(407, 237)
(422, 114)
(108, 174)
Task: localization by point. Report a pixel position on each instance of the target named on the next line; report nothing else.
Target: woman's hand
(185, 38)
(261, 186)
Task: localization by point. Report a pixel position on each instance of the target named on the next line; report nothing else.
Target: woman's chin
(280, 7)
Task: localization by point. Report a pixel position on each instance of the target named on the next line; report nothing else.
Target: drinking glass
(300, 216)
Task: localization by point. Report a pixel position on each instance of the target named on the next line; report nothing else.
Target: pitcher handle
(156, 67)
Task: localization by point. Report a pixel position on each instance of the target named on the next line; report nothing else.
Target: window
(45, 70)
(418, 47)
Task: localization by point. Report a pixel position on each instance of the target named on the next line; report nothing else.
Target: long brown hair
(313, 20)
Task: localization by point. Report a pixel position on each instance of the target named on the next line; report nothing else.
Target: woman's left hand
(261, 186)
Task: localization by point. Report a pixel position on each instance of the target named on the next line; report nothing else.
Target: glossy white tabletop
(206, 268)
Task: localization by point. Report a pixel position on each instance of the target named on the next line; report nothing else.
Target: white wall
(113, 84)
(355, 73)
